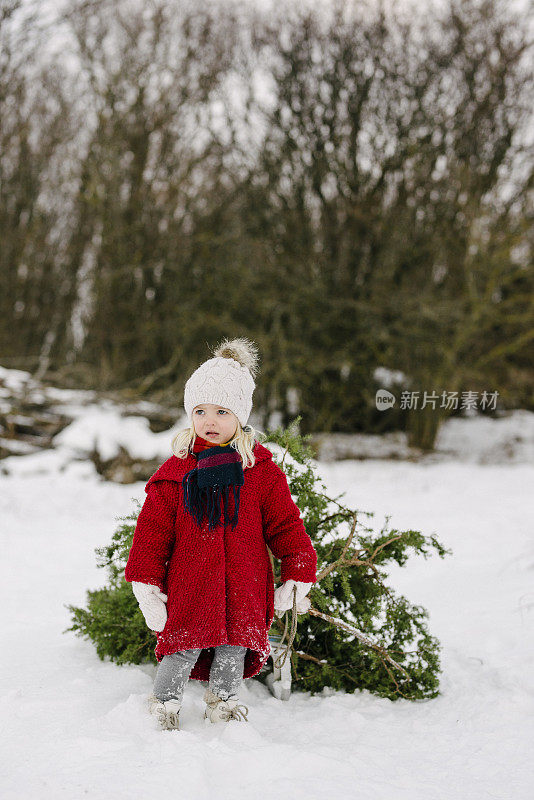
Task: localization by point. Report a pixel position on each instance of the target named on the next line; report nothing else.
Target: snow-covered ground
(74, 726)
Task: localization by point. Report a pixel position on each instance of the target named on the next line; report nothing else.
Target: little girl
(199, 564)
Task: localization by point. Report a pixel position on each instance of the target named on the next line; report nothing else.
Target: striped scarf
(219, 467)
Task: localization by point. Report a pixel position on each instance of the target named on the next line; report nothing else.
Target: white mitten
(303, 606)
(152, 604)
(283, 596)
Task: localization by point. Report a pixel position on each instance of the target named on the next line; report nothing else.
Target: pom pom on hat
(241, 350)
(226, 379)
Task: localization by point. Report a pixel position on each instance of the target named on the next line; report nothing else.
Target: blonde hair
(243, 441)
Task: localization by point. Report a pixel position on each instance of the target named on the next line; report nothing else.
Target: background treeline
(351, 188)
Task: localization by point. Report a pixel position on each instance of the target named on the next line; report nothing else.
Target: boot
(166, 713)
(218, 710)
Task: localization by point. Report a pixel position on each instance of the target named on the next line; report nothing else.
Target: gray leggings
(226, 672)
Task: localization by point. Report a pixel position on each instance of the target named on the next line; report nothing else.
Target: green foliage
(356, 593)
(352, 589)
(114, 623)
(113, 620)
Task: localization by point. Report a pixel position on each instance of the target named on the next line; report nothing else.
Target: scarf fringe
(207, 501)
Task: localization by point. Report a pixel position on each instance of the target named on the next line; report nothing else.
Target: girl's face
(214, 423)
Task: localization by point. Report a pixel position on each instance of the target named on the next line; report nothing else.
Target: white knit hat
(225, 380)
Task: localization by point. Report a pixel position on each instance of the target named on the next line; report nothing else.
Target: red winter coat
(219, 583)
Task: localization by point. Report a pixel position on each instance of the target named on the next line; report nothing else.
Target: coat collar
(175, 468)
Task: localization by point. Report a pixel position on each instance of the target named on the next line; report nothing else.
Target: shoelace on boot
(234, 713)
(171, 720)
